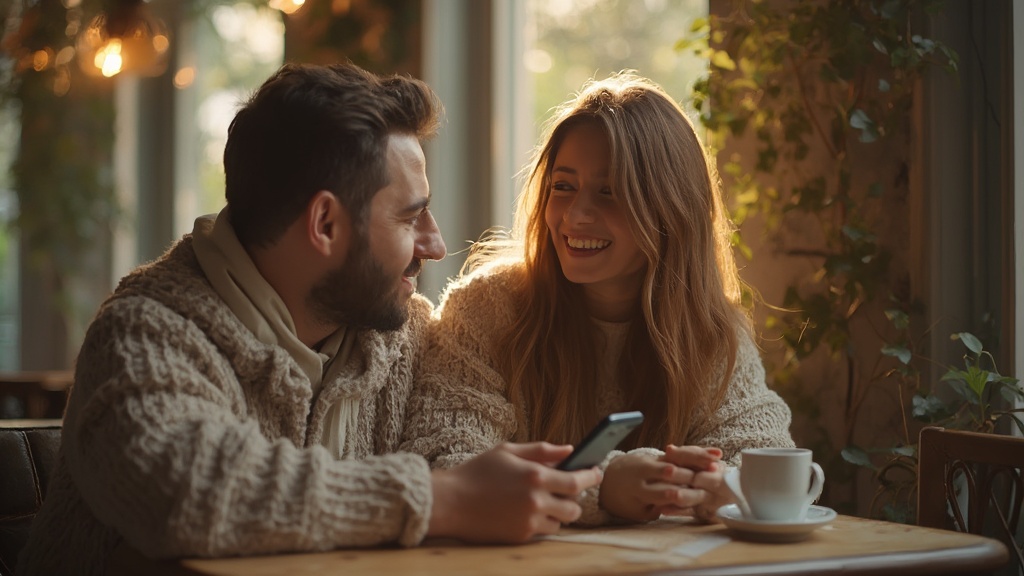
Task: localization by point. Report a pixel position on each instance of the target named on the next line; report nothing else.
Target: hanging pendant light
(126, 39)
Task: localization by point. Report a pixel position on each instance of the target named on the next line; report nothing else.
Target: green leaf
(899, 352)
(964, 391)
(1018, 422)
(890, 9)
(721, 59)
(860, 120)
(883, 86)
(969, 340)
(900, 320)
(923, 44)
(857, 457)
(908, 451)
(897, 514)
(977, 379)
(929, 408)
(1011, 393)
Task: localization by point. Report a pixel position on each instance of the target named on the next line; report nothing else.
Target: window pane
(10, 129)
(237, 46)
(570, 41)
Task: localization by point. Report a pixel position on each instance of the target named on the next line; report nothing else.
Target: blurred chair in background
(27, 456)
(972, 482)
(34, 395)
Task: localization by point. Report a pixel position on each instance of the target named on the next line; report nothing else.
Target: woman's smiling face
(588, 224)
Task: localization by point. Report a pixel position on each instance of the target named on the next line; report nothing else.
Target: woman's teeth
(586, 244)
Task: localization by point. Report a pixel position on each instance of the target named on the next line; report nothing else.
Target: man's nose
(430, 245)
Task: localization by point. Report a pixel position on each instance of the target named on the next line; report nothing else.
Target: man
(245, 393)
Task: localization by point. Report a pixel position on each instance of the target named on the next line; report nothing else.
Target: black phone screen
(608, 433)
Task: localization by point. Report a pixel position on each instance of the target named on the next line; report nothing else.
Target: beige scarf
(236, 280)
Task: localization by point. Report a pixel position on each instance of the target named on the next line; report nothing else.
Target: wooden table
(847, 546)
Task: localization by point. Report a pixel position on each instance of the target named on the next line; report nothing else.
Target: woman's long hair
(681, 347)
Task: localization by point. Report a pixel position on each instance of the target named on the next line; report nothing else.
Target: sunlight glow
(287, 6)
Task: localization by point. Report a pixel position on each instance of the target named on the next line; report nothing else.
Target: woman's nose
(580, 210)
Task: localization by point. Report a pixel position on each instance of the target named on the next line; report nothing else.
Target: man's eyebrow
(417, 206)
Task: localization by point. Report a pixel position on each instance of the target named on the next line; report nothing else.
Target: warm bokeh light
(65, 56)
(184, 77)
(287, 6)
(129, 41)
(40, 59)
(108, 58)
(161, 43)
(537, 61)
(62, 81)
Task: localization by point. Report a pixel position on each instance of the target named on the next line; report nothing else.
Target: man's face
(374, 284)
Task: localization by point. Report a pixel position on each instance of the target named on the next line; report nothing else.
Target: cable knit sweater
(184, 435)
(460, 408)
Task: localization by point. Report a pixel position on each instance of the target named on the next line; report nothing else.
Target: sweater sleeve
(164, 449)
(459, 407)
(751, 414)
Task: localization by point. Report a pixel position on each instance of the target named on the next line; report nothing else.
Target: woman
(618, 291)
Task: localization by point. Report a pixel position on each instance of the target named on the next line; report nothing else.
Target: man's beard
(360, 294)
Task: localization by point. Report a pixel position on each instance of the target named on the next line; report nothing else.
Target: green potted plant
(976, 397)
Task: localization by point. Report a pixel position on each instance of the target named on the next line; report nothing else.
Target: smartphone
(601, 440)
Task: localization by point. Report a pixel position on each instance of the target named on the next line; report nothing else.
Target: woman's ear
(328, 224)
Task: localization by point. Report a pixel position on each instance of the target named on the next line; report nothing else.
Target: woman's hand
(641, 487)
(709, 475)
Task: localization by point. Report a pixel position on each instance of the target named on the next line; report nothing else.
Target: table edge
(985, 555)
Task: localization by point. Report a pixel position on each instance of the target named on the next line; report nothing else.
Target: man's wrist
(442, 516)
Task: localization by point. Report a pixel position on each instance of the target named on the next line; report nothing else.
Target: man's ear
(328, 224)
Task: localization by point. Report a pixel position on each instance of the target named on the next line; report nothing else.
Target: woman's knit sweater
(460, 407)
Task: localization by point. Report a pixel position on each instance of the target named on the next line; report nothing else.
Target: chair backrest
(972, 482)
(27, 456)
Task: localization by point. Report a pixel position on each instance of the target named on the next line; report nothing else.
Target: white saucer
(769, 531)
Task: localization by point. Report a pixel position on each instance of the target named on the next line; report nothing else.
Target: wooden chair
(972, 482)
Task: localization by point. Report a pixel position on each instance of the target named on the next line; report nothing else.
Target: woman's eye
(561, 187)
(606, 191)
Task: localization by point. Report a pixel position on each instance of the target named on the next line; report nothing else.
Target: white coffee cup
(776, 484)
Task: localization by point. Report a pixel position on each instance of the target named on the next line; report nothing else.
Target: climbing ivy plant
(809, 94)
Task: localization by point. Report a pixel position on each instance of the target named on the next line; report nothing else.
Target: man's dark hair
(310, 128)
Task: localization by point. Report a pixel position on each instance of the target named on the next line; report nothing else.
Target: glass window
(10, 129)
(570, 41)
(236, 47)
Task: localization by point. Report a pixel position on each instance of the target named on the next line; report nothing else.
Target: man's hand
(508, 494)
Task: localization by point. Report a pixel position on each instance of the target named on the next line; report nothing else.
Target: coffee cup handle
(817, 483)
(732, 481)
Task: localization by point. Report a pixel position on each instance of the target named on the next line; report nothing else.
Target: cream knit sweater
(185, 435)
(459, 407)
